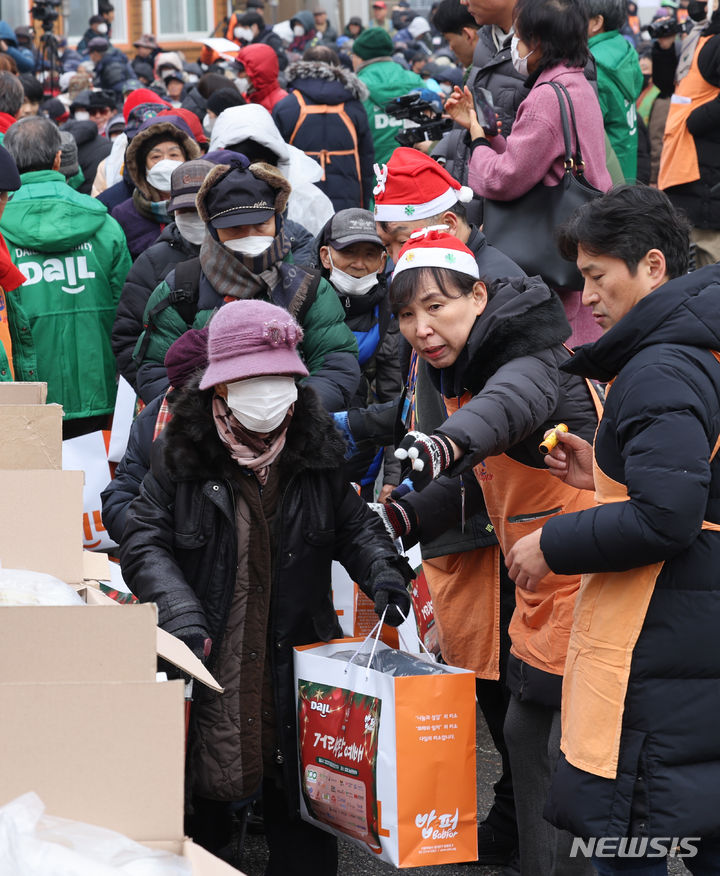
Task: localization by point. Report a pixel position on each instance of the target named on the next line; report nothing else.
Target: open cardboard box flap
(167, 646)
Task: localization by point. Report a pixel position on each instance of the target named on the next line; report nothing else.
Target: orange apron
(679, 161)
(609, 614)
(519, 500)
(465, 590)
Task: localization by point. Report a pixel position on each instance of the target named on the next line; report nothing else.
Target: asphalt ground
(354, 862)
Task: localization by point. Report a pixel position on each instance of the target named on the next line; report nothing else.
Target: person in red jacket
(259, 63)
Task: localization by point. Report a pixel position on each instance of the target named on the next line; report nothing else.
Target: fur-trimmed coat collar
(193, 450)
(523, 316)
(328, 73)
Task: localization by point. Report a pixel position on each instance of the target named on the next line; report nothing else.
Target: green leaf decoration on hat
(450, 257)
(409, 210)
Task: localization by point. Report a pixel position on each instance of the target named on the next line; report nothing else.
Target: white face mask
(160, 173)
(250, 246)
(350, 285)
(520, 64)
(260, 404)
(244, 33)
(102, 28)
(242, 84)
(208, 123)
(82, 116)
(299, 30)
(191, 227)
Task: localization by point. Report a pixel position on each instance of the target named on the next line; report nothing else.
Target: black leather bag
(525, 227)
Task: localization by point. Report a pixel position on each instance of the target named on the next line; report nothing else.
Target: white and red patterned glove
(429, 455)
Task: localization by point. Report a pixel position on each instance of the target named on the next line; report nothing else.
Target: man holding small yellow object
(640, 748)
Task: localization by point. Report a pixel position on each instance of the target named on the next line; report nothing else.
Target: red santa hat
(414, 186)
(434, 248)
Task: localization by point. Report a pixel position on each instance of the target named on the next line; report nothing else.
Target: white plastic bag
(20, 587)
(35, 844)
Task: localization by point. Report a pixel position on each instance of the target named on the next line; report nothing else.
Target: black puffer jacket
(698, 199)
(180, 544)
(659, 427)
(149, 269)
(326, 84)
(92, 149)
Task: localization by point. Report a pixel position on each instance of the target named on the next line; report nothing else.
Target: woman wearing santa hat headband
(494, 354)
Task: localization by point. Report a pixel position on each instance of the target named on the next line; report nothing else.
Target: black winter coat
(92, 149)
(180, 544)
(326, 84)
(149, 269)
(659, 427)
(698, 199)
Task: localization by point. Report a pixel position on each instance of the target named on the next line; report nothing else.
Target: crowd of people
(282, 252)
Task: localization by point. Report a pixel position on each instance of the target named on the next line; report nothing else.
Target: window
(15, 12)
(183, 19)
(76, 22)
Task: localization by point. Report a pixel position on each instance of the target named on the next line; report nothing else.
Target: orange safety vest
(609, 614)
(519, 500)
(679, 161)
(324, 156)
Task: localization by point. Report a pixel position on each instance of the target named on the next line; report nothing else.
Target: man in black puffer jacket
(640, 747)
(92, 149)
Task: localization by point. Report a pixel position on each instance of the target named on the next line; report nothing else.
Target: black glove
(399, 518)
(197, 640)
(391, 592)
(430, 455)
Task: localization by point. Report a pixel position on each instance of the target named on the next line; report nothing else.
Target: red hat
(433, 248)
(141, 95)
(413, 185)
(379, 4)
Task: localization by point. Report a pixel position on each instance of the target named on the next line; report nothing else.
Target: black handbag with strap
(524, 228)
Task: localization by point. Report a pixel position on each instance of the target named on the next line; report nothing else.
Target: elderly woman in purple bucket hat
(233, 535)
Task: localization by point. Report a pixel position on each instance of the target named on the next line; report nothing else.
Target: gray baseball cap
(350, 226)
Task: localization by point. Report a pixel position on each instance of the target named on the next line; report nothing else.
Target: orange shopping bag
(387, 761)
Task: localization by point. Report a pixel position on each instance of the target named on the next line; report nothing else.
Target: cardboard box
(41, 522)
(32, 436)
(19, 393)
(86, 726)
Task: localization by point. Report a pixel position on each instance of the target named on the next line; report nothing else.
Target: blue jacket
(656, 435)
(24, 58)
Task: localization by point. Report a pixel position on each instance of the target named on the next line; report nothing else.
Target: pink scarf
(248, 448)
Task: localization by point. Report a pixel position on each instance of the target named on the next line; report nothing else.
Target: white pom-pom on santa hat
(415, 186)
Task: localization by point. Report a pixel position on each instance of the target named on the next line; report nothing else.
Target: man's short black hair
(614, 13)
(626, 223)
(248, 19)
(561, 27)
(451, 17)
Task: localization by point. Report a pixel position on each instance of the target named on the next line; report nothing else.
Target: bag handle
(569, 160)
(579, 163)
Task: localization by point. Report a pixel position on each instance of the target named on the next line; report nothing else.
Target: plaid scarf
(266, 276)
(155, 211)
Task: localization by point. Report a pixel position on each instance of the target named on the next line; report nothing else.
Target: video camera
(664, 27)
(425, 122)
(45, 11)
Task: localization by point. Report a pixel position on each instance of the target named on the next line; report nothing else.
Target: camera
(424, 122)
(45, 11)
(664, 27)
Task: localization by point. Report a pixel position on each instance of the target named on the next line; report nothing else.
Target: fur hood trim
(137, 149)
(328, 72)
(194, 450)
(260, 170)
(523, 317)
